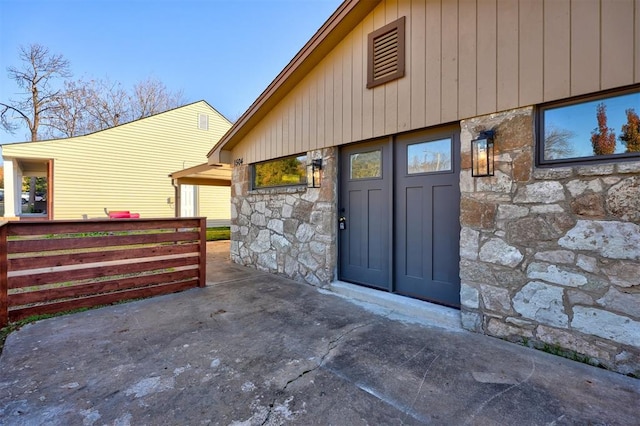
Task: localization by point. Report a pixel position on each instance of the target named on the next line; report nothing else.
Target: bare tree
(107, 105)
(557, 143)
(86, 106)
(36, 77)
(151, 97)
(90, 106)
(77, 107)
(70, 117)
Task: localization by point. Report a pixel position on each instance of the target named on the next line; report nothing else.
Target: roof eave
(348, 15)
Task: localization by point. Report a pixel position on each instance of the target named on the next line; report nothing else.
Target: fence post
(4, 280)
(202, 281)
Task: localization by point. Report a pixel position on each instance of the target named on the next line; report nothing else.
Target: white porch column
(12, 188)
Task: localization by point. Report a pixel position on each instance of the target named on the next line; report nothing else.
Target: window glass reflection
(366, 165)
(281, 172)
(593, 128)
(426, 157)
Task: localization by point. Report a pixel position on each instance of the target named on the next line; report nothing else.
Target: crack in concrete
(424, 378)
(385, 399)
(331, 346)
(484, 404)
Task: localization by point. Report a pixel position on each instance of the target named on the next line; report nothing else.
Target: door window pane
(366, 165)
(428, 157)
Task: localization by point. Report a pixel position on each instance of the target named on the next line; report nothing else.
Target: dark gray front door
(427, 210)
(400, 208)
(364, 210)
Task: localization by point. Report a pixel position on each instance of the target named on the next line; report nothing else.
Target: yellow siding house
(122, 168)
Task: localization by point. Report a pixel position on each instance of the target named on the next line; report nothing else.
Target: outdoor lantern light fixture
(314, 178)
(482, 154)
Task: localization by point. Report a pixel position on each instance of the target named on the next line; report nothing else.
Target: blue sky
(223, 51)
(580, 120)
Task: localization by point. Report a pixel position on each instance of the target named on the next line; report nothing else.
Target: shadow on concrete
(253, 348)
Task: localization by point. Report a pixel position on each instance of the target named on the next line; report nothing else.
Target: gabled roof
(348, 15)
(169, 111)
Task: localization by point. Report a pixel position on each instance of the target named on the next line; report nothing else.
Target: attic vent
(386, 53)
(203, 122)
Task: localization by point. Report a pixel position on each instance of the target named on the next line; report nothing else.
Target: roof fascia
(137, 120)
(200, 168)
(348, 15)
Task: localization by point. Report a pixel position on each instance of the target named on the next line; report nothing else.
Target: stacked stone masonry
(551, 256)
(288, 231)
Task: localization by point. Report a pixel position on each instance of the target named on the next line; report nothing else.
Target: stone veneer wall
(551, 256)
(289, 231)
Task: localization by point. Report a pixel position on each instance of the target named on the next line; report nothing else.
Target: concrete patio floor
(254, 349)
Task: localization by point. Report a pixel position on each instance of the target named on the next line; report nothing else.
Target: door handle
(342, 223)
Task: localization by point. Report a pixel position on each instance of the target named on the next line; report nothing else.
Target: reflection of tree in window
(366, 165)
(430, 161)
(602, 137)
(557, 143)
(286, 171)
(40, 184)
(631, 131)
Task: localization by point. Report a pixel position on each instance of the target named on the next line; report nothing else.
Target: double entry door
(399, 214)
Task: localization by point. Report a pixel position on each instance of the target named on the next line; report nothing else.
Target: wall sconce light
(482, 154)
(314, 178)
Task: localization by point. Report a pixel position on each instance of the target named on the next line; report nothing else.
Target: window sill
(279, 190)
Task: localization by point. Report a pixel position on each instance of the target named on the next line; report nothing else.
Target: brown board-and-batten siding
(464, 58)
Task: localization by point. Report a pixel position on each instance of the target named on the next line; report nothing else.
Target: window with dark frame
(386, 54)
(287, 171)
(600, 128)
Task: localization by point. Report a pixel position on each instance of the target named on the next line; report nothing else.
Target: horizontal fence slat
(4, 282)
(79, 264)
(105, 299)
(29, 246)
(24, 263)
(98, 272)
(97, 225)
(52, 294)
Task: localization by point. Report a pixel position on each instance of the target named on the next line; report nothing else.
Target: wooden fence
(55, 266)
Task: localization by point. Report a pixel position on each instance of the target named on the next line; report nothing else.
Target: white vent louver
(203, 122)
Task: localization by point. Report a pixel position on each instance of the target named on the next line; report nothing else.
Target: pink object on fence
(123, 215)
